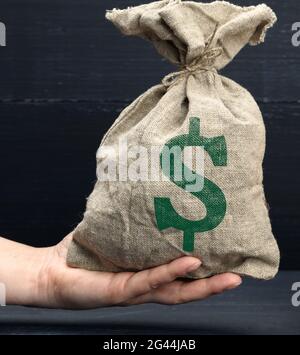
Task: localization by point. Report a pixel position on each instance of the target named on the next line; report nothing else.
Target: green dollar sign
(211, 195)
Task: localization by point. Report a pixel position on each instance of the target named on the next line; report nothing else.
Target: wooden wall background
(65, 75)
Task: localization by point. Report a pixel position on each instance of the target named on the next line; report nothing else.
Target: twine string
(204, 63)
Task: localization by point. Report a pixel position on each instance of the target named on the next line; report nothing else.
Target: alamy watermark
(296, 296)
(2, 295)
(2, 34)
(296, 34)
(124, 162)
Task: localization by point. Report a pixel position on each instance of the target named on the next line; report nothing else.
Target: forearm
(20, 271)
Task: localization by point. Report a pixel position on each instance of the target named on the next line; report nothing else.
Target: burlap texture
(119, 229)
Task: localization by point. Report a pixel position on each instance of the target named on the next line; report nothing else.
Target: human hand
(55, 285)
(76, 288)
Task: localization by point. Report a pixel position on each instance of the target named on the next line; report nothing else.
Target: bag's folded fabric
(134, 225)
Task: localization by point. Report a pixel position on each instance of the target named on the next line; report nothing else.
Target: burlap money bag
(134, 225)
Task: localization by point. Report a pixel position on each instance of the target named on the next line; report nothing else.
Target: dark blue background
(65, 75)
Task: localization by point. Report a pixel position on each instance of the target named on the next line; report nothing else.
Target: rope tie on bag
(204, 63)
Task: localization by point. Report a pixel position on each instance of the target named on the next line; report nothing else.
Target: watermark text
(2, 295)
(2, 34)
(296, 34)
(296, 296)
(124, 162)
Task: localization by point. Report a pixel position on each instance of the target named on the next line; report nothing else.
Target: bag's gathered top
(205, 62)
(181, 30)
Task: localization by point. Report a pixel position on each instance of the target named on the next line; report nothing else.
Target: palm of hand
(66, 287)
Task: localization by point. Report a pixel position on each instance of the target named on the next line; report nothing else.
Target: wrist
(34, 290)
(22, 272)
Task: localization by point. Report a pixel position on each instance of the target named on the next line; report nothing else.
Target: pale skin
(40, 277)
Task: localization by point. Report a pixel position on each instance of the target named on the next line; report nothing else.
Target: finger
(182, 292)
(87, 289)
(145, 281)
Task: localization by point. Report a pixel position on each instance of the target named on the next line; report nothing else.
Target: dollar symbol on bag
(211, 195)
